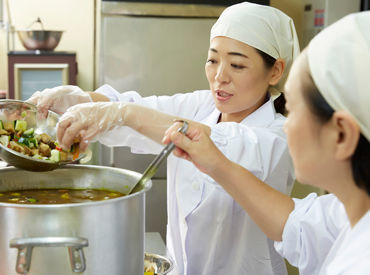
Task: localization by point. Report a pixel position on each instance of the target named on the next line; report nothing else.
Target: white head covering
(339, 61)
(264, 28)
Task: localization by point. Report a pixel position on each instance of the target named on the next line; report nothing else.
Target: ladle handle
(153, 167)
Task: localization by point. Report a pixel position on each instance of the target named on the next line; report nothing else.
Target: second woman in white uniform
(208, 232)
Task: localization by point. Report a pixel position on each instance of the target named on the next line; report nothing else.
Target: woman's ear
(277, 71)
(348, 134)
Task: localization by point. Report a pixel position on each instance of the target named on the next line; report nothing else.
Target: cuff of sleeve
(109, 92)
(287, 248)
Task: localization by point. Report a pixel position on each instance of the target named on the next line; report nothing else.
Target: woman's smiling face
(238, 78)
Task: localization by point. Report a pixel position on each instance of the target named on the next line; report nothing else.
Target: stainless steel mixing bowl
(45, 40)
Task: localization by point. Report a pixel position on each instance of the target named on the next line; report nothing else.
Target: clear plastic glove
(58, 99)
(86, 121)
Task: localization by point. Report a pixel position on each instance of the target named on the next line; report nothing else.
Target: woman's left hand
(88, 120)
(196, 146)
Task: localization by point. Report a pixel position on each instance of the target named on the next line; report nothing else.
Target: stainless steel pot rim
(146, 187)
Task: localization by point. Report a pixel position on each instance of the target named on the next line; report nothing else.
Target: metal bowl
(40, 39)
(16, 109)
(161, 264)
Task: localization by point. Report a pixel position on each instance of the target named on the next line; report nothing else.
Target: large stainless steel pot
(105, 237)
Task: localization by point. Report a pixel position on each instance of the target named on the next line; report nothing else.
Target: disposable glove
(58, 99)
(86, 121)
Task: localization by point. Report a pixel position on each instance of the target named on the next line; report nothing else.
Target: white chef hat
(339, 61)
(264, 28)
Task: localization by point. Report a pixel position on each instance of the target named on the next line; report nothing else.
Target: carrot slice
(76, 152)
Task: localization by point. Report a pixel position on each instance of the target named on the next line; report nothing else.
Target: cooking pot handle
(25, 246)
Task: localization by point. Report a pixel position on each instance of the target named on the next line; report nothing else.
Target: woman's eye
(212, 61)
(236, 66)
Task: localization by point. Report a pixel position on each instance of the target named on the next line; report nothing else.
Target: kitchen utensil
(16, 109)
(153, 166)
(161, 264)
(102, 237)
(46, 40)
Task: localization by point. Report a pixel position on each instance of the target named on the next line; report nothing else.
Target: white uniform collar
(263, 116)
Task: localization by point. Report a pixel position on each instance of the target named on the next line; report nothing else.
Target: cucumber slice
(4, 140)
(21, 125)
(1, 125)
(55, 155)
(29, 132)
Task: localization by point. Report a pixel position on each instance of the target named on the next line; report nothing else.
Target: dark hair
(269, 61)
(360, 160)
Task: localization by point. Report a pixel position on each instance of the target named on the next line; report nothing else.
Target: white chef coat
(318, 239)
(207, 231)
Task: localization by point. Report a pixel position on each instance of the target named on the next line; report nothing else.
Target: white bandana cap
(264, 28)
(339, 61)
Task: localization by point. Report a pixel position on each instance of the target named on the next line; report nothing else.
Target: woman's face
(237, 77)
(306, 135)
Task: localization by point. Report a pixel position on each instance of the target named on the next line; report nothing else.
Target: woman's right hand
(58, 99)
(196, 146)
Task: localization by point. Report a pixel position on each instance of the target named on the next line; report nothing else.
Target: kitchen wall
(293, 8)
(76, 18)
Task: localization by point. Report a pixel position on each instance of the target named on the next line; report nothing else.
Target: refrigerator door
(154, 49)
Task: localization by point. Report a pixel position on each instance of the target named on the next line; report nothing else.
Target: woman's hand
(196, 146)
(86, 121)
(58, 99)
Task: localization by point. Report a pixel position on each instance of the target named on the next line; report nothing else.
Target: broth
(57, 196)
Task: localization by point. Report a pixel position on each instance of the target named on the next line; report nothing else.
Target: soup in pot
(57, 196)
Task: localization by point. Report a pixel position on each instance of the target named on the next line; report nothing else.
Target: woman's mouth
(222, 95)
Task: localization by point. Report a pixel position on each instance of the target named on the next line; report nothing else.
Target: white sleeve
(188, 105)
(261, 150)
(311, 230)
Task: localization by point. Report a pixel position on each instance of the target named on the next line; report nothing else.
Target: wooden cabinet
(31, 71)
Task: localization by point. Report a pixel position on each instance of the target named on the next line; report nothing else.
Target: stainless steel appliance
(153, 49)
(319, 14)
(102, 237)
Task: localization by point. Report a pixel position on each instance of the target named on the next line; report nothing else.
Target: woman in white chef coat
(251, 50)
(328, 131)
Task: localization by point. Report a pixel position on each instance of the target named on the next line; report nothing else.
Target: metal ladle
(153, 166)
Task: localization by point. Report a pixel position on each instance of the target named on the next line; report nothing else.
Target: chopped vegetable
(76, 152)
(29, 132)
(55, 155)
(20, 125)
(9, 126)
(4, 140)
(17, 137)
(1, 124)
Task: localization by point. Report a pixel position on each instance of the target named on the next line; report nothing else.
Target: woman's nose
(222, 74)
